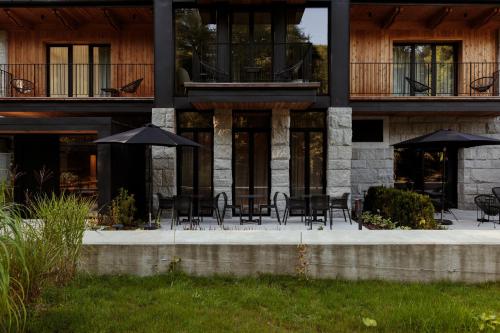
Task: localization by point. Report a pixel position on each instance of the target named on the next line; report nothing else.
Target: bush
(405, 208)
(123, 209)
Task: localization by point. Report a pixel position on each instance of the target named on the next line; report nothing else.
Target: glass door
(251, 159)
(307, 152)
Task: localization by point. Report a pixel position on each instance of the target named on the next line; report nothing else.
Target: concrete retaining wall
(469, 256)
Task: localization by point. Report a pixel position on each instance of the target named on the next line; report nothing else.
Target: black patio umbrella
(148, 135)
(444, 140)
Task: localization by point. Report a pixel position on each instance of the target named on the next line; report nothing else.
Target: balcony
(250, 76)
(425, 81)
(76, 81)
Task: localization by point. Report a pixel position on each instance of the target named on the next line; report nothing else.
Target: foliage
(488, 322)
(260, 304)
(368, 322)
(123, 209)
(37, 253)
(404, 208)
(377, 221)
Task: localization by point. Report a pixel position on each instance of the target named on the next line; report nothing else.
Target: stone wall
(280, 156)
(339, 151)
(164, 159)
(223, 153)
(372, 165)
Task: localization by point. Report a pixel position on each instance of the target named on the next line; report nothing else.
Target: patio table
(251, 198)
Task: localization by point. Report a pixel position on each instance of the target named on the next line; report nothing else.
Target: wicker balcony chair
(483, 84)
(22, 86)
(416, 86)
(129, 88)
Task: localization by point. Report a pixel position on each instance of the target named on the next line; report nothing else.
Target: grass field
(179, 303)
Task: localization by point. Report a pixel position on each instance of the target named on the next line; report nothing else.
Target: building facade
(301, 97)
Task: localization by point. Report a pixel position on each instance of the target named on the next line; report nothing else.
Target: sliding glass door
(78, 70)
(424, 70)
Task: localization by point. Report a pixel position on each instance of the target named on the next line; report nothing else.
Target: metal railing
(76, 80)
(252, 62)
(424, 79)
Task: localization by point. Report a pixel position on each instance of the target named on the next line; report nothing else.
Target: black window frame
(382, 123)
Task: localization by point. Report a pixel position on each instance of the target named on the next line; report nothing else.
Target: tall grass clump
(62, 220)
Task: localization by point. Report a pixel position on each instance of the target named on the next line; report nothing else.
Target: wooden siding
(370, 43)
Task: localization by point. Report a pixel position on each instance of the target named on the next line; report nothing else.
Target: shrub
(405, 208)
(377, 221)
(123, 209)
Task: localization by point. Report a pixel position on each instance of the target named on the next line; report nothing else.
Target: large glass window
(308, 28)
(195, 164)
(424, 69)
(71, 68)
(195, 48)
(307, 150)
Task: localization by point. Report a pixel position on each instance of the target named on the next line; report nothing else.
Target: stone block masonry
(223, 153)
(280, 156)
(164, 159)
(339, 151)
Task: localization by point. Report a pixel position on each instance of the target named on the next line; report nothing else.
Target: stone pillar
(280, 156)
(223, 153)
(164, 159)
(339, 151)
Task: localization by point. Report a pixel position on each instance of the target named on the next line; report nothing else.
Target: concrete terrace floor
(465, 220)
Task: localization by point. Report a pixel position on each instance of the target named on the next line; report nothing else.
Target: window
(309, 25)
(424, 69)
(78, 70)
(368, 130)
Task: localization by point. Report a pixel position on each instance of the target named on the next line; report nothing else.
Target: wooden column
(164, 53)
(339, 52)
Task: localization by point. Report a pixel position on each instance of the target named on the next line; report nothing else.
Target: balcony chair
(212, 74)
(290, 74)
(417, 87)
(319, 205)
(183, 207)
(22, 86)
(294, 204)
(341, 203)
(129, 88)
(483, 84)
(488, 205)
(273, 205)
(182, 77)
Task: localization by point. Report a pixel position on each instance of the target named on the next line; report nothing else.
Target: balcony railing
(253, 62)
(76, 80)
(424, 79)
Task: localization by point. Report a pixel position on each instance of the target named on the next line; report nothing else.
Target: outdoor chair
(483, 84)
(212, 74)
(294, 204)
(273, 205)
(129, 88)
(226, 206)
(319, 205)
(416, 86)
(488, 205)
(341, 203)
(290, 73)
(164, 203)
(212, 206)
(22, 86)
(183, 207)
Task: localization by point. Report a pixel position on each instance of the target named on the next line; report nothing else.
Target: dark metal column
(279, 38)
(339, 52)
(223, 40)
(164, 53)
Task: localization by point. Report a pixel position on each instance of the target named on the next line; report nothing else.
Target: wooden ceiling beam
(484, 18)
(439, 17)
(66, 20)
(111, 18)
(18, 21)
(389, 20)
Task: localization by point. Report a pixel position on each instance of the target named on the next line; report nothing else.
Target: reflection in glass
(310, 25)
(59, 63)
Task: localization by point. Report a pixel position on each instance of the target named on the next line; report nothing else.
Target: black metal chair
(22, 86)
(488, 205)
(319, 205)
(341, 203)
(229, 206)
(417, 87)
(183, 207)
(273, 205)
(294, 204)
(213, 74)
(290, 73)
(129, 88)
(213, 207)
(165, 203)
(483, 84)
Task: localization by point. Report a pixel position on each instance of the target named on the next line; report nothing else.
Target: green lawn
(178, 303)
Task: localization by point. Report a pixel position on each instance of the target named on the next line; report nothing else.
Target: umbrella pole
(443, 179)
(150, 182)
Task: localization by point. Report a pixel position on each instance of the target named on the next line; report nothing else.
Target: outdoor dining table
(251, 198)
